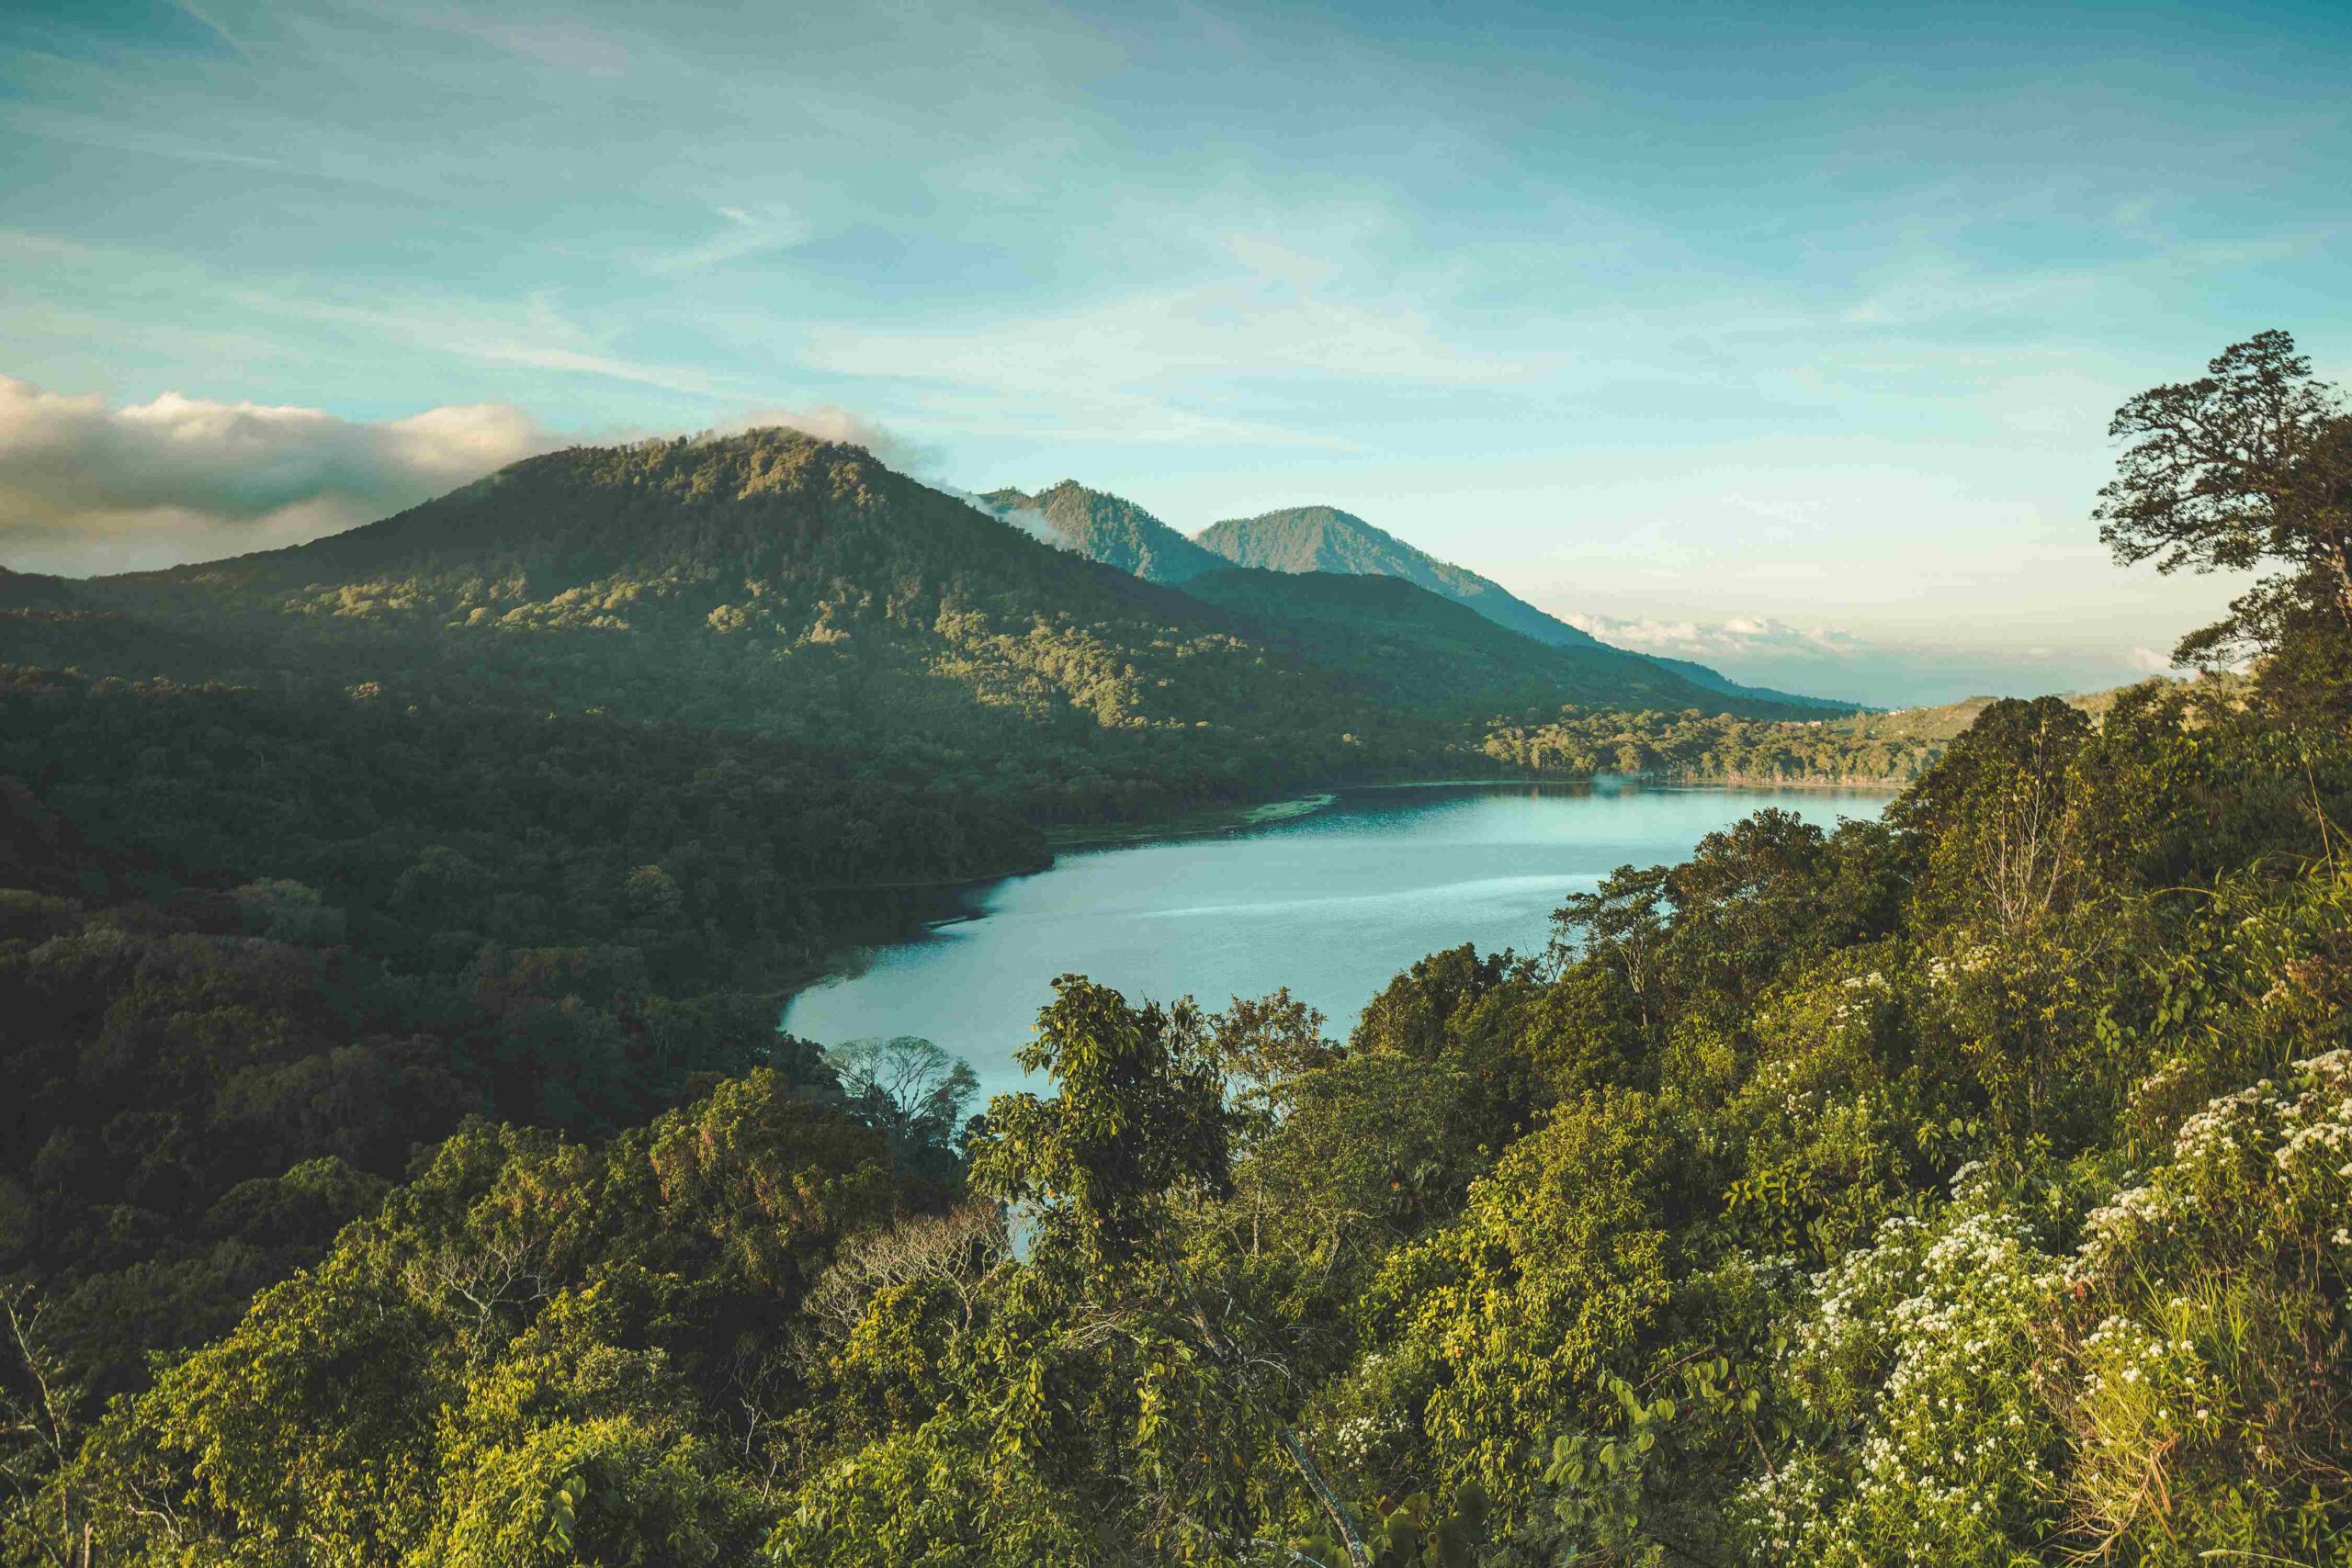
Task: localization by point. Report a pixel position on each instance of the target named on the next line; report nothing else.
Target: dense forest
(1970, 1187)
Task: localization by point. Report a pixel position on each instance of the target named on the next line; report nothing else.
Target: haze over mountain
(1112, 530)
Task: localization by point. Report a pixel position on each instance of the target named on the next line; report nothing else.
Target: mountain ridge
(774, 582)
(1325, 539)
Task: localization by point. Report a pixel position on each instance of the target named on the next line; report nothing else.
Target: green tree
(911, 1090)
(2247, 466)
(1140, 1112)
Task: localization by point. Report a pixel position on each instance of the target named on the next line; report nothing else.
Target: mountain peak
(1325, 539)
(1112, 530)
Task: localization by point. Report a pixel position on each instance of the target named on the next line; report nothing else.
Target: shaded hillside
(1424, 647)
(255, 947)
(1715, 680)
(1112, 530)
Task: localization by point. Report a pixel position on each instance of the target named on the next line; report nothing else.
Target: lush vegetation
(1972, 1186)
(1718, 748)
(256, 948)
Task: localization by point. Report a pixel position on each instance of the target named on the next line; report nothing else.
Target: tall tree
(2247, 466)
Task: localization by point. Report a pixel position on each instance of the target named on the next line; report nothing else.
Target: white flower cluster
(2291, 1141)
(2113, 1227)
(1358, 1437)
(1931, 1331)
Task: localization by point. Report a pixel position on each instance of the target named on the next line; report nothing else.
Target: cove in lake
(1331, 903)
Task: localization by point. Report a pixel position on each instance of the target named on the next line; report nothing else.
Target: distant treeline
(1714, 748)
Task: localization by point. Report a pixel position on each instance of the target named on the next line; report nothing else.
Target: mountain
(1111, 530)
(1323, 538)
(780, 584)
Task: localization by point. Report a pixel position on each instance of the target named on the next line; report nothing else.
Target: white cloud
(1743, 636)
(827, 422)
(2148, 662)
(89, 487)
(1028, 519)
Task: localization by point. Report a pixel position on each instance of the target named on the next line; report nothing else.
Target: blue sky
(1784, 337)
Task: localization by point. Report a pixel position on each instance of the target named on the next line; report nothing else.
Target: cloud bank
(1747, 637)
(87, 489)
(1829, 661)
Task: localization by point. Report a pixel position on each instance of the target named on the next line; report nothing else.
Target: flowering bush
(1911, 1373)
(2203, 1373)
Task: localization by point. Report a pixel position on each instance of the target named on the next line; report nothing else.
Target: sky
(1782, 337)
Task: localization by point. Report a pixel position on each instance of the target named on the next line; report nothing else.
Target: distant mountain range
(1300, 540)
(774, 582)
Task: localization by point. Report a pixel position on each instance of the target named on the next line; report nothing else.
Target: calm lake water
(1332, 904)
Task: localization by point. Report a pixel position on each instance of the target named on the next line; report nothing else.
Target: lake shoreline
(1216, 821)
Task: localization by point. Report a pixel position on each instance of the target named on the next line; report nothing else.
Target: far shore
(1222, 820)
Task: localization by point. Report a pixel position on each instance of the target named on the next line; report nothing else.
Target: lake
(1331, 903)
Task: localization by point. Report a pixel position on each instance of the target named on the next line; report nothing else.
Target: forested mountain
(1419, 647)
(1114, 531)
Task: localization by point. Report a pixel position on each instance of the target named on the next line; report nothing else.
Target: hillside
(1860, 749)
(1112, 530)
(1715, 680)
